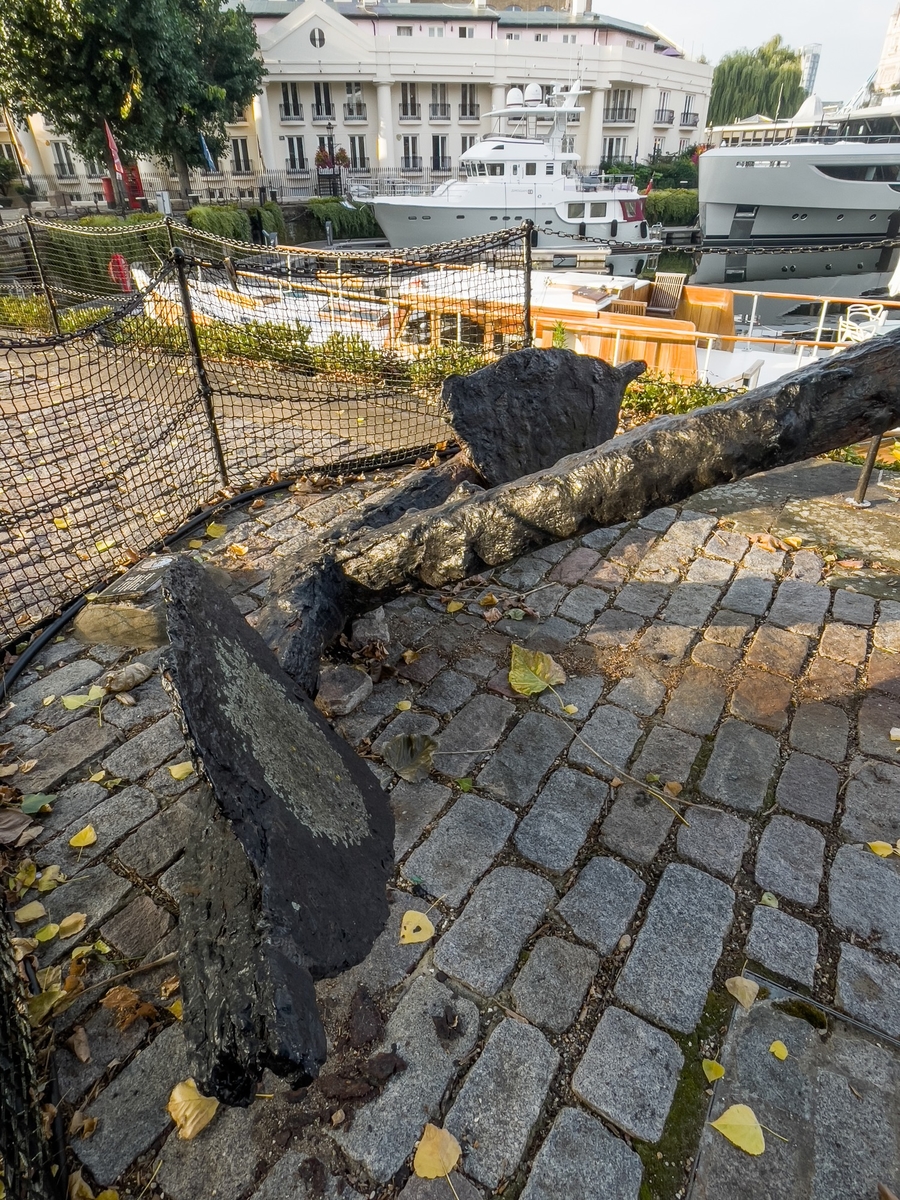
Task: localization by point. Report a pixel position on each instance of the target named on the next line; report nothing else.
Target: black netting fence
(25, 1159)
(146, 367)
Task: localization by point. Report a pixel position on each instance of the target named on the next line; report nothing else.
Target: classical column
(262, 122)
(384, 143)
(593, 151)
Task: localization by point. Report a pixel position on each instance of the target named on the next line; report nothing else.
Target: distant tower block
(809, 66)
(887, 77)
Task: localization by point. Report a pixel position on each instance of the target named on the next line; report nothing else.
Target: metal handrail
(690, 119)
(355, 112)
(290, 112)
(664, 116)
(619, 114)
(439, 112)
(410, 112)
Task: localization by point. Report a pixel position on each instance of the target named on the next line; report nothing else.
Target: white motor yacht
(524, 172)
(836, 189)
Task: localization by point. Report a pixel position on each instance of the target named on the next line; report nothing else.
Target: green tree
(159, 72)
(765, 80)
(229, 74)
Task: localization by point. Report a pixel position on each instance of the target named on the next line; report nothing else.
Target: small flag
(207, 157)
(114, 151)
(649, 188)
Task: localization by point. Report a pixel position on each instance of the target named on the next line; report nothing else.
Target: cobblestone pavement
(557, 1020)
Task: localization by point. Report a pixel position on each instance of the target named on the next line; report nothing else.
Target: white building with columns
(406, 87)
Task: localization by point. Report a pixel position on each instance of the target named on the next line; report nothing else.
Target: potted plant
(323, 160)
(9, 172)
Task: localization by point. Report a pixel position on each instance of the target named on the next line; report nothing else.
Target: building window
(7, 151)
(358, 160)
(659, 145)
(513, 37)
(542, 37)
(411, 160)
(404, 31)
(317, 37)
(435, 31)
(62, 160)
(615, 148)
(467, 31)
(570, 37)
(409, 101)
(92, 168)
(240, 156)
(663, 100)
(683, 144)
(296, 159)
(440, 160)
(689, 104)
(291, 108)
(467, 141)
(323, 109)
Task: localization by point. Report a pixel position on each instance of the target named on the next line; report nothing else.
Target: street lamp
(329, 129)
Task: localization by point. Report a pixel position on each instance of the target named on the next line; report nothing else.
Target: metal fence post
(203, 385)
(169, 234)
(51, 303)
(528, 227)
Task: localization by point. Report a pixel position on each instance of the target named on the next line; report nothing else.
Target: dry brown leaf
(169, 987)
(190, 1111)
(127, 1006)
(82, 1126)
(72, 924)
(78, 1189)
(79, 1045)
(123, 679)
(744, 990)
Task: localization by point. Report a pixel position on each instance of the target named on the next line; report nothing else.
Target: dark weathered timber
(828, 404)
(312, 823)
(247, 994)
(310, 597)
(534, 407)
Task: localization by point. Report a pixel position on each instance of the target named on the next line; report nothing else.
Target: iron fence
(147, 368)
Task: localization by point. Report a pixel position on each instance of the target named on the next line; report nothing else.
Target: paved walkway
(557, 1020)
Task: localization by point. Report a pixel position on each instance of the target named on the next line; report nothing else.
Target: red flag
(649, 188)
(114, 151)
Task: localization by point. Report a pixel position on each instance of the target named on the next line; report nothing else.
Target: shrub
(675, 206)
(654, 395)
(348, 219)
(433, 366)
(225, 221)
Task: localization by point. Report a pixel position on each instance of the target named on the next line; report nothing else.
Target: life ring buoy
(117, 270)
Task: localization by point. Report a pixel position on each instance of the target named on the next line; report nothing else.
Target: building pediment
(291, 39)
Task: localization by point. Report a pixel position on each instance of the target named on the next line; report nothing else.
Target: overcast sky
(851, 34)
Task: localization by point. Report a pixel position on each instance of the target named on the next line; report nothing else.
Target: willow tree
(158, 72)
(765, 80)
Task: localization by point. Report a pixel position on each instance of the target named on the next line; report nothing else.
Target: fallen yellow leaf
(454, 606)
(47, 701)
(196, 543)
(84, 837)
(404, 705)
(740, 1126)
(181, 770)
(415, 927)
(47, 933)
(190, 1111)
(60, 522)
(488, 601)
(571, 709)
(97, 776)
(30, 912)
(712, 1070)
(51, 877)
(673, 788)
(215, 530)
(744, 990)
(533, 671)
(72, 924)
(237, 548)
(882, 849)
(794, 542)
(437, 1153)
(176, 1009)
(780, 1050)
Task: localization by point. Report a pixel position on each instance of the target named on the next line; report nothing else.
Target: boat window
(531, 168)
(495, 168)
(515, 169)
(598, 210)
(482, 169)
(576, 211)
(872, 173)
(633, 210)
(549, 168)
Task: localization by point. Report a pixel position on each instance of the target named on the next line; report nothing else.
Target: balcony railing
(411, 162)
(664, 116)
(470, 112)
(64, 172)
(323, 112)
(573, 118)
(440, 163)
(355, 112)
(241, 168)
(622, 116)
(438, 112)
(290, 112)
(690, 120)
(410, 112)
(360, 164)
(294, 165)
